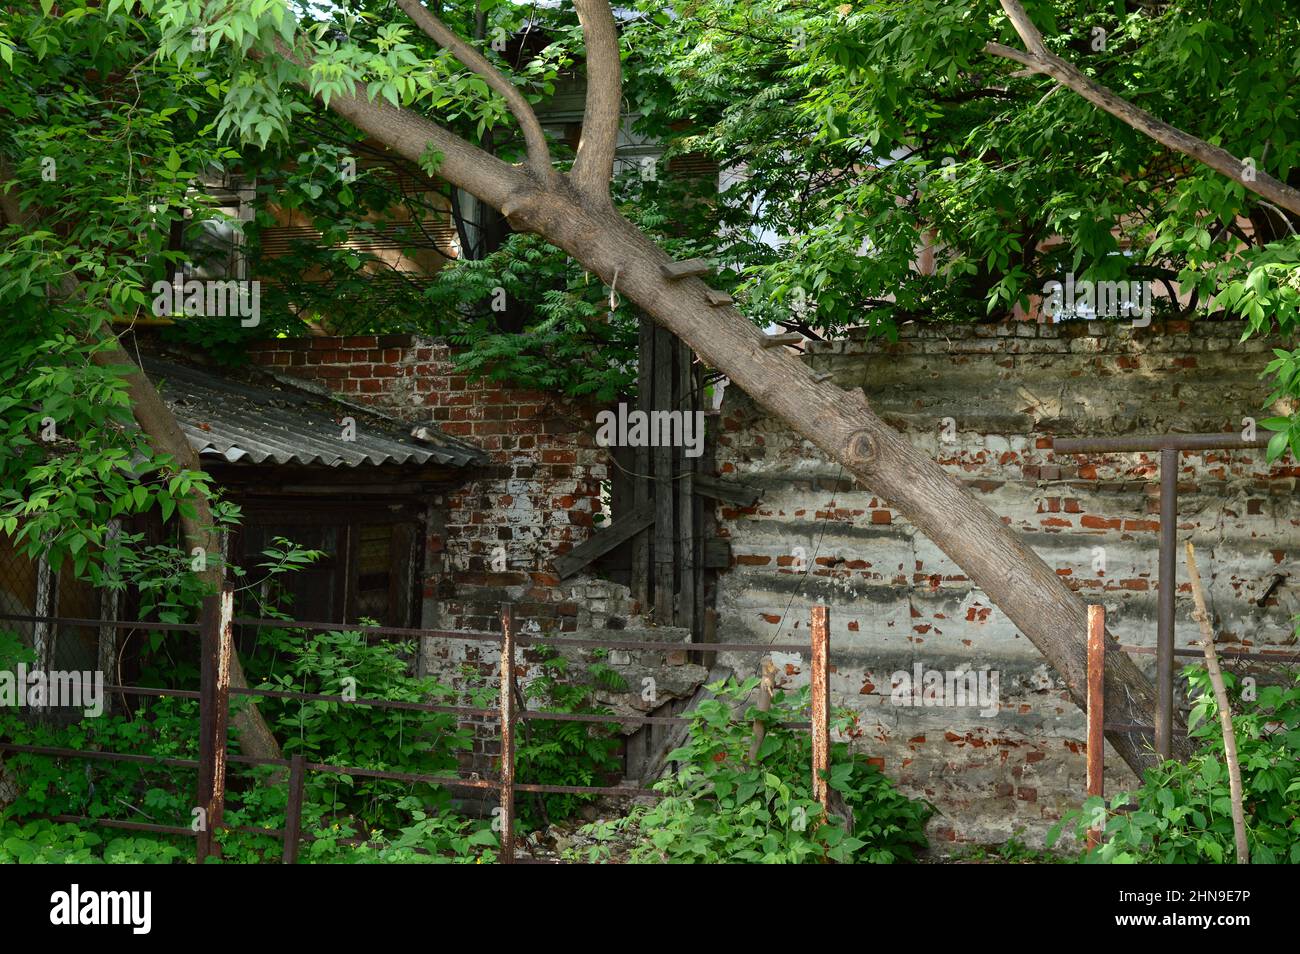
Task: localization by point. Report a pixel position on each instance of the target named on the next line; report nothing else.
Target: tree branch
(539, 154)
(411, 136)
(1040, 60)
(602, 116)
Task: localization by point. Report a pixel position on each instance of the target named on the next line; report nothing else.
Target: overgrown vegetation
(721, 806)
(1182, 812)
(566, 752)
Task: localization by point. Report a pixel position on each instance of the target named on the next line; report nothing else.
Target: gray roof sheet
(256, 419)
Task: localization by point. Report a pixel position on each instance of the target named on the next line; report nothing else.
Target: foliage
(46, 842)
(1013, 851)
(1182, 812)
(856, 131)
(393, 822)
(565, 753)
(342, 733)
(722, 807)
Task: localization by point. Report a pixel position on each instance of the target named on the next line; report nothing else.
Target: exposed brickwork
(536, 499)
(897, 600)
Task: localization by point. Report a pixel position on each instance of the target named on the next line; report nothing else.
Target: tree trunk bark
(843, 425)
(1225, 710)
(590, 229)
(165, 436)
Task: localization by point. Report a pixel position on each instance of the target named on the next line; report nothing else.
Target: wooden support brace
(676, 271)
(718, 298)
(775, 341)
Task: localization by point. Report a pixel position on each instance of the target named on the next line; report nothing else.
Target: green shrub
(719, 806)
(552, 752)
(344, 733)
(1182, 814)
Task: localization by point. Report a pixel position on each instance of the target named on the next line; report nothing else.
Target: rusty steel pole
(214, 714)
(821, 731)
(1096, 709)
(507, 814)
(293, 811)
(1171, 446)
(1168, 589)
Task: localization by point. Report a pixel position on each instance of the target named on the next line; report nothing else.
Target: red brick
(1098, 523)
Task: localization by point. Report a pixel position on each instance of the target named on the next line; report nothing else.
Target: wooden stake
(1225, 712)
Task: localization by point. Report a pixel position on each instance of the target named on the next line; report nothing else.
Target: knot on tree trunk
(862, 451)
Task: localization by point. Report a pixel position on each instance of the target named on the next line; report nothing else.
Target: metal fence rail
(215, 630)
(1096, 694)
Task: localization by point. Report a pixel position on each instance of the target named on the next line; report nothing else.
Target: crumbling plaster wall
(897, 601)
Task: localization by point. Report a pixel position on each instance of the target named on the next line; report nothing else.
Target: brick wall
(896, 600)
(538, 496)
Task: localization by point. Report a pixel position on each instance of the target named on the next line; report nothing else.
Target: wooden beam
(718, 298)
(640, 574)
(622, 530)
(664, 566)
(775, 341)
(684, 393)
(728, 491)
(676, 271)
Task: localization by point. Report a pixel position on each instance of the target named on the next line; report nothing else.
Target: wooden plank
(728, 491)
(216, 649)
(676, 271)
(108, 607)
(44, 633)
(717, 554)
(705, 528)
(718, 298)
(685, 394)
(602, 541)
(775, 341)
(663, 474)
(640, 574)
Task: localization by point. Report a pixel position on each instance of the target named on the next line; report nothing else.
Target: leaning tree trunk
(843, 425)
(159, 425)
(165, 436)
(573, 211)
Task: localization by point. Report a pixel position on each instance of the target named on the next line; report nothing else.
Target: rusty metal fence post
(821, 731)
(1096, 709)
(293, 811)
(214, 714)
(1165, 602)
(507, 813)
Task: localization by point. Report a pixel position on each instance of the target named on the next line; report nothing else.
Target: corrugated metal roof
(263, 420)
